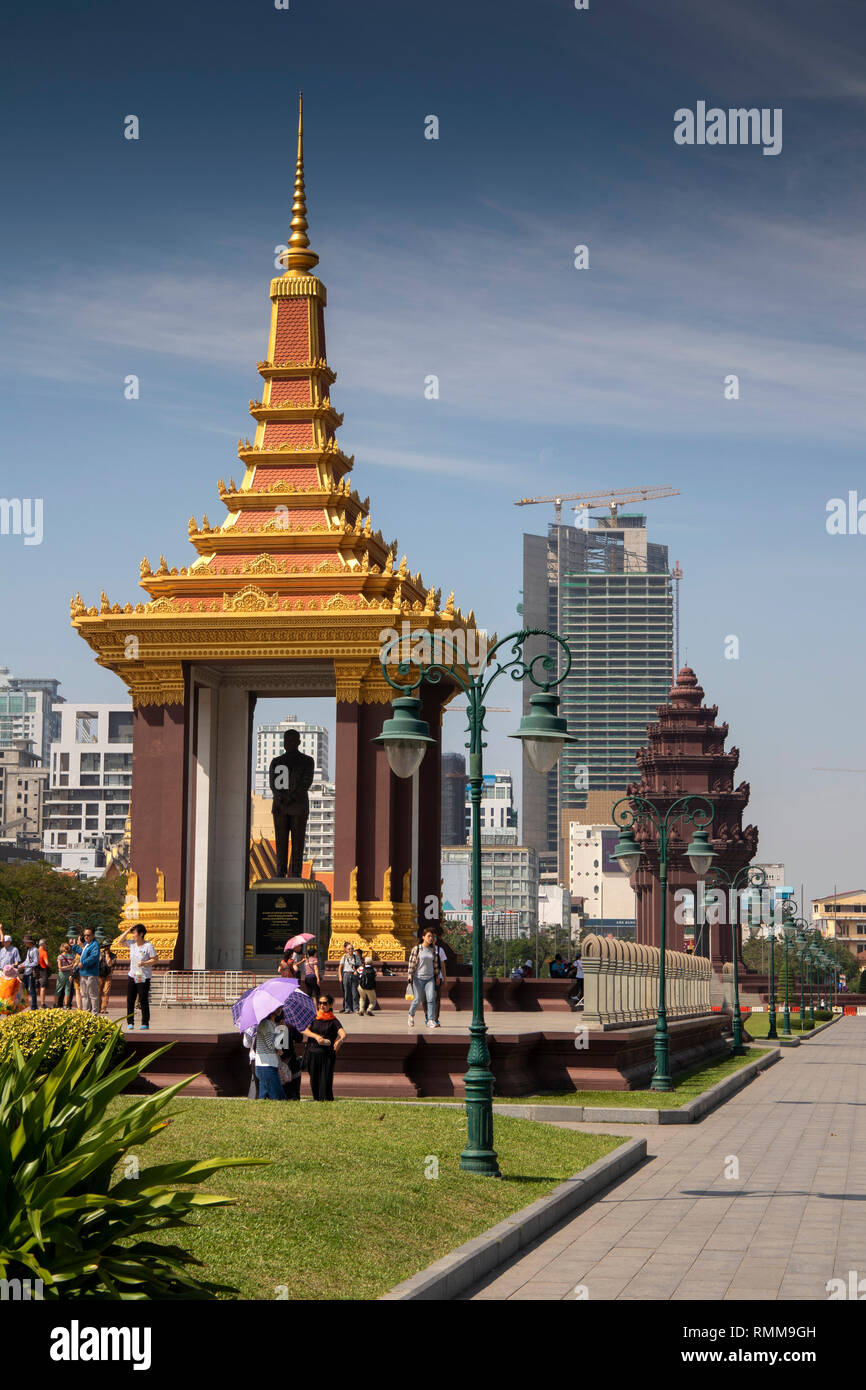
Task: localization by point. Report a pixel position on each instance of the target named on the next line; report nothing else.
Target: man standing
(88, 973)
(141, 958)
(349, 968)
(290, 777)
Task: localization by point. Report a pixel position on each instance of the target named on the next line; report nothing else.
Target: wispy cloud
(642, 340)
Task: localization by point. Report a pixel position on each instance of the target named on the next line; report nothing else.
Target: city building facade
(509, 884)
(607, 591)
(454, 830)
(269, 745)
(841, 917)
(608, 897)
(29, 710)
(22, 786)
(88, 792)
(497, 813)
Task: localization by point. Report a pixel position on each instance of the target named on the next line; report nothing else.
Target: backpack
(368, 977)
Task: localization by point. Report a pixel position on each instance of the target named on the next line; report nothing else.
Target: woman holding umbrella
(257, 1014)
(325, 1037)
(267, 1057)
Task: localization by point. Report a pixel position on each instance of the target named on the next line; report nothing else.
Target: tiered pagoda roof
(297, 537)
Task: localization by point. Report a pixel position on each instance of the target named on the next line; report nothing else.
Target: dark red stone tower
(686, 754)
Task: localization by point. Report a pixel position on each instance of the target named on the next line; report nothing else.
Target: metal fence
(201, 989)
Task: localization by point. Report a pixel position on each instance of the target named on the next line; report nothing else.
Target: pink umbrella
(300, 940)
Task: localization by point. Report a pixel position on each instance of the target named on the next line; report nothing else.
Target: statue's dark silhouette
(290, 777)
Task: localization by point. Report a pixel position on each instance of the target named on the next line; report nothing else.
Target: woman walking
(324, 1037)
(312, 981)
(424, 974)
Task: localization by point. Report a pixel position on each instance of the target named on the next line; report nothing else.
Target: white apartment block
(497, 811)
(269, 745)
(90, 778)
(608, 897)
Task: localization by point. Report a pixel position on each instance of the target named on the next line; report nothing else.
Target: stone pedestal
(280, 908)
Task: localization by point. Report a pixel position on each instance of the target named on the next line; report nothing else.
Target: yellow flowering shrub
(61, 1028)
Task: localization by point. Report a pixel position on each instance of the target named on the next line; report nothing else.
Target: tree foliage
(35, 898)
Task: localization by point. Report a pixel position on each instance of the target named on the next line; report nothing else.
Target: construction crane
(614, 500)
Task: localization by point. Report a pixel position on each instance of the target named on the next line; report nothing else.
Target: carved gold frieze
(385, 930)
(154, 685)
(298, 287)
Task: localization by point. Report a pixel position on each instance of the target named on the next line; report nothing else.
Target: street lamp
(688, 810)
(405, 738)
(748, 876)
(789, 935)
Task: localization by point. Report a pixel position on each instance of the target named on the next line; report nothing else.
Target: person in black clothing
(324, 1037)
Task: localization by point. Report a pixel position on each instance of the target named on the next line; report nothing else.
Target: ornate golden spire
(299, 259)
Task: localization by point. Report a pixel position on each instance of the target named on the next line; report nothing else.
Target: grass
(758, 1025)
(687, 1086)
(345, 1210)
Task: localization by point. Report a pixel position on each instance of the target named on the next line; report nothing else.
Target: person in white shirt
(271, 1037)
(141, 958)
(8, 953)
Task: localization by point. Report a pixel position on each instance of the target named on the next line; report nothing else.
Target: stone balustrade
(621, 983)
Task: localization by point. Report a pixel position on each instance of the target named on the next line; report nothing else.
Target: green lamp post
(789, 933)
(748, 877)
(687, 810)
(406, 737)
(811, 954)
(801, 951)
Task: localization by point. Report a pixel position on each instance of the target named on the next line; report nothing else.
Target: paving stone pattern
(677, 1228)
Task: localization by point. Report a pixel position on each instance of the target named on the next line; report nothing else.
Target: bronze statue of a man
(290, 777)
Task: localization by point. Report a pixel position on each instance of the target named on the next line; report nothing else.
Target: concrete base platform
(383, 1057)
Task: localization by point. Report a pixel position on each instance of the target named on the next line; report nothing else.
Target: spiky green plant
(62, 1218)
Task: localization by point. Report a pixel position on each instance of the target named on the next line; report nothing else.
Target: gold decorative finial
(299, 259)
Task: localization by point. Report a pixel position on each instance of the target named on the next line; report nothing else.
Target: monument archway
(289, 594)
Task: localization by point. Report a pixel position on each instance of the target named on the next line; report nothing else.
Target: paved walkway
(219, 1020)
(678, 1228)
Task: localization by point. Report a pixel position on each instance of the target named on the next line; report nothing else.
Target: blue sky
(455, 257)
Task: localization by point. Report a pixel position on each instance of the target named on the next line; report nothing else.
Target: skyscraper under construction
(607, 590)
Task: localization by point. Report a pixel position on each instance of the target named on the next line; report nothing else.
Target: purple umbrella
(299, 1010)
(262, 1001)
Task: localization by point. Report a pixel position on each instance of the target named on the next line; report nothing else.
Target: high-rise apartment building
(29, 710)
(269, 745)
(607, 590)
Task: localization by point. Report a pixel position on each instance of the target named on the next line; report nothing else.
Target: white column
(201, 793)
(229, 853)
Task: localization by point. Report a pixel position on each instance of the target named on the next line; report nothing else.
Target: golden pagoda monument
(288, 594)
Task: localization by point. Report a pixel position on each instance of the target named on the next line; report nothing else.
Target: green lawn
(687, 1087)
(758, 1025)
(345, 1210)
